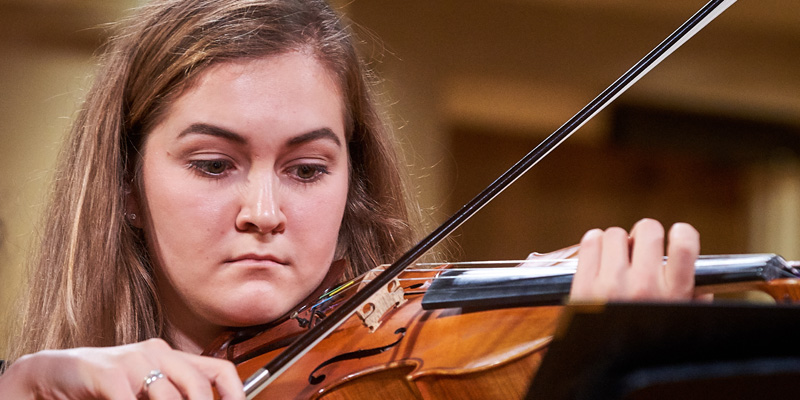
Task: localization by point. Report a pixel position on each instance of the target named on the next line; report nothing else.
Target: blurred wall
(516, 70)
(46, 62)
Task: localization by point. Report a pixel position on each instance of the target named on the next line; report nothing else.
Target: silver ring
(153, 376)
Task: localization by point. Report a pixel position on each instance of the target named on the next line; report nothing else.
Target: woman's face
(245, 183)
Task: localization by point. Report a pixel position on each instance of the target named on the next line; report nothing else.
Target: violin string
(485, 269)
(524, 263)
(349, 286)
(444, 278)
(481, 264)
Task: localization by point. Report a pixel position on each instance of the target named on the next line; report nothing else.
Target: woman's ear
(132, 210)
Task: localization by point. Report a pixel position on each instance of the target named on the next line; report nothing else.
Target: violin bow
(265, 375)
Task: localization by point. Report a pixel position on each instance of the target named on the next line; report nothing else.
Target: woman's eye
(211, 167)
(309, 172)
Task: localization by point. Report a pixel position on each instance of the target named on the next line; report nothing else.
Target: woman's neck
(186, 334)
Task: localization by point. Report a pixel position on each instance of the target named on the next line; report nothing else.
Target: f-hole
(315, 380)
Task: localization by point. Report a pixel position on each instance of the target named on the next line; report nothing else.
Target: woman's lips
(257, 259)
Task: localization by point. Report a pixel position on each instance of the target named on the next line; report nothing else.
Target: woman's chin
(251, 305)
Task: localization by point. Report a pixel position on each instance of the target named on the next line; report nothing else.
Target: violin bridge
(391, 296)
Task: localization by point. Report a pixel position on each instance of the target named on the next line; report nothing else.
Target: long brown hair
(91, 281)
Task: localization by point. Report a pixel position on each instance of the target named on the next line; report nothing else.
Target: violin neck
(717, 274)
(521, 286)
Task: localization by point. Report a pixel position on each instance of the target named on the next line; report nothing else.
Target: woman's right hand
(120, 373)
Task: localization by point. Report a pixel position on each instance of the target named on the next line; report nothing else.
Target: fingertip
(682, 250)
(588, 265)
(685, 236)
(683, 229)
(646, 221)
(615, 231)
(592, 235)
(647, 225)
(224, 376)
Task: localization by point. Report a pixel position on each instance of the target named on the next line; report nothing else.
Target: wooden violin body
(448, 353)
(412, 354)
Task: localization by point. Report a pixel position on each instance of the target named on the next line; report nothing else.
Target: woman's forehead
(289, 93)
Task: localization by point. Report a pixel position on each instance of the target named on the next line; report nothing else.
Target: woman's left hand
(613, 265)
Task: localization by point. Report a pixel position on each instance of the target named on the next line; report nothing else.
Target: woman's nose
(261, 208)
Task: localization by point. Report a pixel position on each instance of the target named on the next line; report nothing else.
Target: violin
(433, 331)
(418, 335)
(396, 349)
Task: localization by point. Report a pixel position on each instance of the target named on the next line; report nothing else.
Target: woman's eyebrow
(206, 129)
(317, 134)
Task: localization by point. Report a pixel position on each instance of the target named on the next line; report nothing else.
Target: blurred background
(711, 136)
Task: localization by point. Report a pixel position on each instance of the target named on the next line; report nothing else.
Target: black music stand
(672, 351)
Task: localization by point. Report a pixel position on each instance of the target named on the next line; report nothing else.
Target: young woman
(229, 152)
